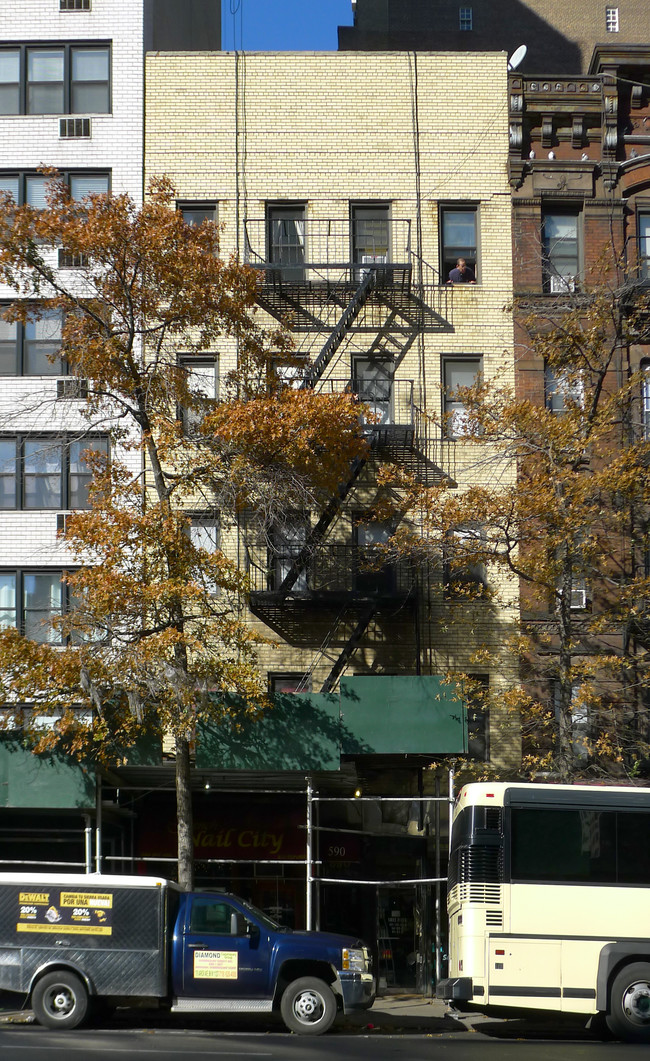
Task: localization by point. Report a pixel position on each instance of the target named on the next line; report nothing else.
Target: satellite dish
(517, 57)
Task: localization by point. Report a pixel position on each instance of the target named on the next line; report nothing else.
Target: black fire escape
(346, 290)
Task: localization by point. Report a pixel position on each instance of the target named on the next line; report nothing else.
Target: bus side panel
(525, 972)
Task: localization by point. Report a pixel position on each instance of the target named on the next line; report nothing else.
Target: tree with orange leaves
(156, 630)
(572, 530)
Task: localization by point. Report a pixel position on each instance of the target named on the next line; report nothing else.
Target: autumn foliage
(157, 628)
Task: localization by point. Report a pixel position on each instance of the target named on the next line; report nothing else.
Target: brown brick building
(560, 37)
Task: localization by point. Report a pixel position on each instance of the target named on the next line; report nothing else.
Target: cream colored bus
(549, 902)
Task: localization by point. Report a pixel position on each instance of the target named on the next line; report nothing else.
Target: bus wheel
(629, 1013)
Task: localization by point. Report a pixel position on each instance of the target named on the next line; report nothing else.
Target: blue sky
(283, 25)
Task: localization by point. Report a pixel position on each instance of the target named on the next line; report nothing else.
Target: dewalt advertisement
(65, 912)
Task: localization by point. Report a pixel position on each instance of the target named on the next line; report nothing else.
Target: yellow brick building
(353, 182)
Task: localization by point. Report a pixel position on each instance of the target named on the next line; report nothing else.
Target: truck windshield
(259, 915)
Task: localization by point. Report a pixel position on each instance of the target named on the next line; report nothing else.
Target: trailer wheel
(308, 1006)
(60, 1000)
(629, 1012)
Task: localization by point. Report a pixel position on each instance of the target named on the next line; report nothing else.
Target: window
(204, 533)
(370, 234)
(46, 472)
(286, 240)
(478, 718)
(561, 250)
(55, 79)
(287, 542)
(31, 188)
(464, 570)
(563, 390)
(458, 239)
(202, 379)
(465, 18)
(456, 373)
(29, 600)
(289, 683)
(645, 398)
(644, 246)
(30, 349)
(211, 916)
(611, 19)
(373, 383)
(196, 213)
(369, 577)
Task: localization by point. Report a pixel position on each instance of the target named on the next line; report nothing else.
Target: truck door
(225, 955)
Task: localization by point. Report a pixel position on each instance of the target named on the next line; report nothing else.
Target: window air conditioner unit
(72, 387)
(561, 285)
(74, 128)
(578, 598)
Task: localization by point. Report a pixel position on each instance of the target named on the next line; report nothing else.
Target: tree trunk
(184, 817)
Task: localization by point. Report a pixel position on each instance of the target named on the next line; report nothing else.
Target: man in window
(461, 274)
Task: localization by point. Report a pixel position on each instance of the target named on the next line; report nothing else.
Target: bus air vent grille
(480, 893)
(493, 818)
(494, 918)
(477, 865)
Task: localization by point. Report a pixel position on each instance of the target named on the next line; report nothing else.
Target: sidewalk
(403, 1013)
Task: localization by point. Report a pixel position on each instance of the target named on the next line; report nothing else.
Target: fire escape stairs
(364, 620)
(341, 328)
(318, 532)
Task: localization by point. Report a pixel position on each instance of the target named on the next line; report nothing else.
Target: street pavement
(390, 1015)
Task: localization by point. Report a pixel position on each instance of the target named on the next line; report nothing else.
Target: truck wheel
(60, 1000)
(308, 1006)
(629, 1012)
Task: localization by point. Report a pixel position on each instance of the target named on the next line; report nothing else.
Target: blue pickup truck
(69, 943)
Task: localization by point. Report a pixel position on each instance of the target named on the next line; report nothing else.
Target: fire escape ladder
(393, 339)
(318, 532)
(350, 647)
(343, 325)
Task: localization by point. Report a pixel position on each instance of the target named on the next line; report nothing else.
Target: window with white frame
(465, 18)
(55, 79)
(47, 472)
(563, 389)
(645, 398)
(611, 19)
(457, 372)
